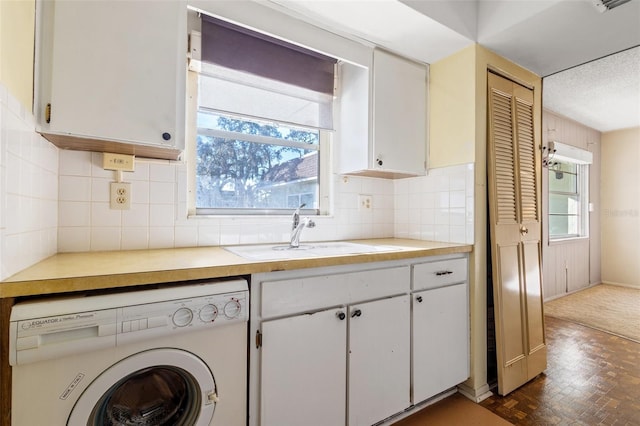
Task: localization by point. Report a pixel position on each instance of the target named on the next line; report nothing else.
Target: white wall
(28, 189)
(433, 207)
(621, 207)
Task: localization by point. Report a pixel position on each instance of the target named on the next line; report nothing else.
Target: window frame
(324, 172)
(582, 195)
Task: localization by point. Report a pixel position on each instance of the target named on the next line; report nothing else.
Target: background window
(568, 200)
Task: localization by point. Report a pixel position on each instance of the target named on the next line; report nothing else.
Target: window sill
(192, 216)
(568, 240)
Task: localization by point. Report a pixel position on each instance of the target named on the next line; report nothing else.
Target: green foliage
(231, 172)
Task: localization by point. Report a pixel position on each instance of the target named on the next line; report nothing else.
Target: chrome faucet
(298, 226)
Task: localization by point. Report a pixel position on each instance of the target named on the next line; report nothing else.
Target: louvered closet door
(514, 215)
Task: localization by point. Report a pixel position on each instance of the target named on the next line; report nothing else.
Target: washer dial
(182, 317)
(232, 309)
(208, 313)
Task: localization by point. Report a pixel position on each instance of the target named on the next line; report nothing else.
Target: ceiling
(556, 39)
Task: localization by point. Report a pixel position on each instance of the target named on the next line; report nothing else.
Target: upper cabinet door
(383, 118)
(113, 71)
(399, 114)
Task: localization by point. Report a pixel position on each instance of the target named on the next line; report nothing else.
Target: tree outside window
(248, 164)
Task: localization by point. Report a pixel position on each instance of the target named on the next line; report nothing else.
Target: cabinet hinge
(47, 113)
(258, 339)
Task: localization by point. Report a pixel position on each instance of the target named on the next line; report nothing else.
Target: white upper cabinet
(110, 75)
(383, 117)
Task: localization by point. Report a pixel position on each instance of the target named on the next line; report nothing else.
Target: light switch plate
(122, 162)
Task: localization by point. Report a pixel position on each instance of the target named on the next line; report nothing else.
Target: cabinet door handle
(341, 316)
(419, 299)
(440, 273)
(356, 313)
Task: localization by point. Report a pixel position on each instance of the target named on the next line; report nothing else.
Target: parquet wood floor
(592, 378)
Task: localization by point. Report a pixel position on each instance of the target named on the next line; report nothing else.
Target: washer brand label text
(43, 322)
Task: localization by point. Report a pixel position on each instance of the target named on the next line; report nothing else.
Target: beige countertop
(67, 272)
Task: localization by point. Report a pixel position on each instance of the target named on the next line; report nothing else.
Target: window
(245, 164)
(264, 118)
(568, 200)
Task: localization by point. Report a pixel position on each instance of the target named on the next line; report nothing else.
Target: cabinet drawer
(310, 293)
(439, 273)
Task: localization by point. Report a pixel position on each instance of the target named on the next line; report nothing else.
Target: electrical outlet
(120, 196)
(365, 202)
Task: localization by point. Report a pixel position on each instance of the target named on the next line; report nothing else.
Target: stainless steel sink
(320, 249)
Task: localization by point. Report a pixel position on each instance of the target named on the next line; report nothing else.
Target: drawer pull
(419, 299)
(440, 273)
(356, 313)
(341, 316)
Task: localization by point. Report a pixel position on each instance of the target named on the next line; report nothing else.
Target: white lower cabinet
(379, 354)
(303, 371)
(440, 340)
(440, 333)
(304, 365)
(355, 344)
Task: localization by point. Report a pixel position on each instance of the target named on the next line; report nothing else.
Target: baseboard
(475, 395)
(558, 296)
(621, 284)
(415, 408)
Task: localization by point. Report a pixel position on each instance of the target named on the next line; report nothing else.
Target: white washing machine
(167, 356)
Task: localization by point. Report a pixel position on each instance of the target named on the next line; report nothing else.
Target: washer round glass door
(156, 387)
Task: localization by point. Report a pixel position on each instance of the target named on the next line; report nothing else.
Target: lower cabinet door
(303, 370)
(379, 360)
(440, 340)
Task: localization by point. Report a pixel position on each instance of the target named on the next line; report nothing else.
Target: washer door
(156, 387)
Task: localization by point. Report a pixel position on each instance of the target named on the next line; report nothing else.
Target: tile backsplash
(435, 207)
(28, 190)
(158, 216)
(58, 201)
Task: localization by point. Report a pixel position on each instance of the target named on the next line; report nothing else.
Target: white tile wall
(158, 214)
(436, 207)
(28, 190)
(53, 200)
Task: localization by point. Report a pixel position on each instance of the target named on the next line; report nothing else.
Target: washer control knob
(182, 317)
(232, 309)
(208, 313)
